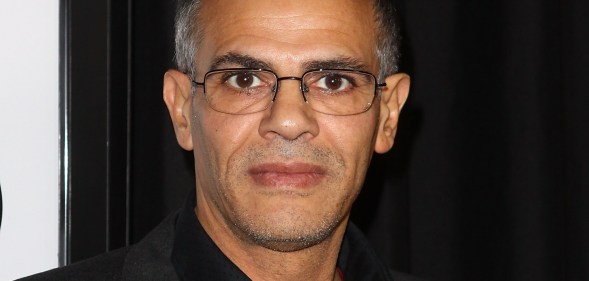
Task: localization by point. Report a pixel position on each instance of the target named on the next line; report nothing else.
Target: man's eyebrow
(238, 59)
(337, 63)
(251, 62)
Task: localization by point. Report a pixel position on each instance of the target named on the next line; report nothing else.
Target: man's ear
(393, 97)
(177, 96)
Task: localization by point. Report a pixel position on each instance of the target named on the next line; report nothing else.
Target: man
(283, 103)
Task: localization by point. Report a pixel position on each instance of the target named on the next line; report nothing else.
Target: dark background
(489, 176)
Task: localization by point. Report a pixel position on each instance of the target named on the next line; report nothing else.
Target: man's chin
(299, 242)
(288, 246)
(285, 233)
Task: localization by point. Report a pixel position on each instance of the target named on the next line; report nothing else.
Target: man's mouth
(297, 175)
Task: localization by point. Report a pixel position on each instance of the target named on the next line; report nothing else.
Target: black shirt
(196, 257)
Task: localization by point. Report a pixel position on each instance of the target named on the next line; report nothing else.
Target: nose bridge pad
(302, 88)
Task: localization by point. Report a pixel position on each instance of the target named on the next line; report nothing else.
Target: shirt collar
(196, 257)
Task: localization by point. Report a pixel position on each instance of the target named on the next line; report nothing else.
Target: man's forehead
(288, 14)
(284, 30)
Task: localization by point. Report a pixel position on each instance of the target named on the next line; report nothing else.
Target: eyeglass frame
(377, 85)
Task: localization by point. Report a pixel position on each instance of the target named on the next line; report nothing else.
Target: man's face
(286, 177)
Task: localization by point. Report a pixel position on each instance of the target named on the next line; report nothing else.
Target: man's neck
(317, 262)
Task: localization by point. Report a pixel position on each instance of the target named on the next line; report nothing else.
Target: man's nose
(289, 116)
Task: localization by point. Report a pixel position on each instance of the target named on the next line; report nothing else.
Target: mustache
(286, 150)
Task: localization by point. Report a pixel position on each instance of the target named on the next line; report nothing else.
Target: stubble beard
(292, 229)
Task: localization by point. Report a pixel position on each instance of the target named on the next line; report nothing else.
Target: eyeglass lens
(335, 92)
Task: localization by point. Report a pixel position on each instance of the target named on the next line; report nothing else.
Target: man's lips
(297, 175)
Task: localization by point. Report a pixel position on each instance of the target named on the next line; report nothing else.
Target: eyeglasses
(329, 91)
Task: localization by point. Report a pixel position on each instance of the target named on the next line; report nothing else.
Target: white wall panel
(29, 144)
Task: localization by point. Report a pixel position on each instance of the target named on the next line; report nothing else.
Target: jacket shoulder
(147, 260)
(107, 266)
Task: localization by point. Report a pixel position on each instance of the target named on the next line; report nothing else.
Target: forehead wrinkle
(239, 59)
(300, 22)
(313, 23)
(335, 59)
(296, 31)
(305, 20)
(294, 27)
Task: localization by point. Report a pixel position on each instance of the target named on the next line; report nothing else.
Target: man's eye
(243, 80)
(333, 82)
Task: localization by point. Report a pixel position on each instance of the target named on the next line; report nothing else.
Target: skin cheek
(236, 134)
(220, 137)
(205, 161)
(356, 145)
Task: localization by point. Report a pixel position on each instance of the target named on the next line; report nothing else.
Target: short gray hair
(189, 33)
(388, 40)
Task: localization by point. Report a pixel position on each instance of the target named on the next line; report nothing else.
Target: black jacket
(151, 258)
